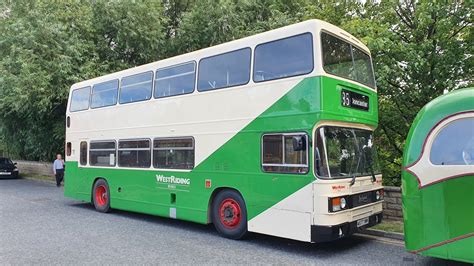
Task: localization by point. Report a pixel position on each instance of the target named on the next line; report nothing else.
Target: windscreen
(345, 152)
(5, 161)
(342, 59)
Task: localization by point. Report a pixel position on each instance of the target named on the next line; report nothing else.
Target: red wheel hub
(101, 195)
(230, 213)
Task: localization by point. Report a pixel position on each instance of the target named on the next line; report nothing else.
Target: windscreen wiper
(371, 166)
(353, 180)
(373, 174)
(353, 175)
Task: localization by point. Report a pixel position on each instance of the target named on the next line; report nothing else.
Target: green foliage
(420, 49)
(47, 48)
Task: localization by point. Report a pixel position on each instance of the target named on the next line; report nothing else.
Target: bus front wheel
(229, 214)
(101, 196)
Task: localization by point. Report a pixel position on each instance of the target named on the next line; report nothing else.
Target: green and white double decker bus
(271, 133)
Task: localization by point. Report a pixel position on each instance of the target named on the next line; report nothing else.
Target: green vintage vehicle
(438, 179)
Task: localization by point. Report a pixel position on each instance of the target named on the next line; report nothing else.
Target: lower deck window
(83, 153)
(134, 153)
(68, 149)
(173, 153)
(285, 153)
(102, 153)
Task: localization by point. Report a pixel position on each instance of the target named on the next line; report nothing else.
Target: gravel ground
(38, 225)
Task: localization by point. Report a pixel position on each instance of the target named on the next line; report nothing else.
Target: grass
(39, 177)
(390, 226)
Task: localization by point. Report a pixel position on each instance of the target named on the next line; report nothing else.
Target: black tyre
(101, 196)
(229, 214)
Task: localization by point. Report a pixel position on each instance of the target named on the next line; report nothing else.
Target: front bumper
(329, 233)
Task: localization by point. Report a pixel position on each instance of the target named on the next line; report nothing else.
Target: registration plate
(363, 222)
(5, 173)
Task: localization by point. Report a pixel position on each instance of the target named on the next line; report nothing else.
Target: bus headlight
(379, 194)
(337, 204)
(343, 203)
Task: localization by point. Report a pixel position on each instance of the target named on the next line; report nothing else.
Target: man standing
(58, 168)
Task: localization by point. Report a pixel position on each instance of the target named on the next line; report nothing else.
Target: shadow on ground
(321, 250)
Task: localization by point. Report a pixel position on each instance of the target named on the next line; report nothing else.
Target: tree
(39, 61)
(420, 49)
(47, 48)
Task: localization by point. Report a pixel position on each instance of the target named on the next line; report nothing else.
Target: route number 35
(346, 98)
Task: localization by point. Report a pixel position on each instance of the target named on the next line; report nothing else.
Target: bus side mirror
(299, 143)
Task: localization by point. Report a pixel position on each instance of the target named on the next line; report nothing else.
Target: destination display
(354, 100)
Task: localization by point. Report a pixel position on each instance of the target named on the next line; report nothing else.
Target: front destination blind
(354, 100)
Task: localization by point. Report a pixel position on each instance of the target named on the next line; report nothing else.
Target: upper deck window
(136, 88)
(454, 144)
(345, 60)
(80, 99)
(283, 58)
(175, 80)
(224, 70)
(104, 94)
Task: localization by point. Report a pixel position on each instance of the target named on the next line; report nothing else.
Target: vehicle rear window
(5, 161)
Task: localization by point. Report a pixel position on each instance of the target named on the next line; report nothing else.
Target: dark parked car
(8, 169)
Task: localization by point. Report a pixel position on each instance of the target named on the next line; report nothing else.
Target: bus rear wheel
(229, 214)
(101, 196)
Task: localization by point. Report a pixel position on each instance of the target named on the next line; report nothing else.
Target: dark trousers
(59, 176)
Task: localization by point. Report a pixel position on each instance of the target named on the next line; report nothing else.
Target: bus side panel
(445, 212)
(140, 191)
(460, 250)
(240, 157)
(74, 183)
